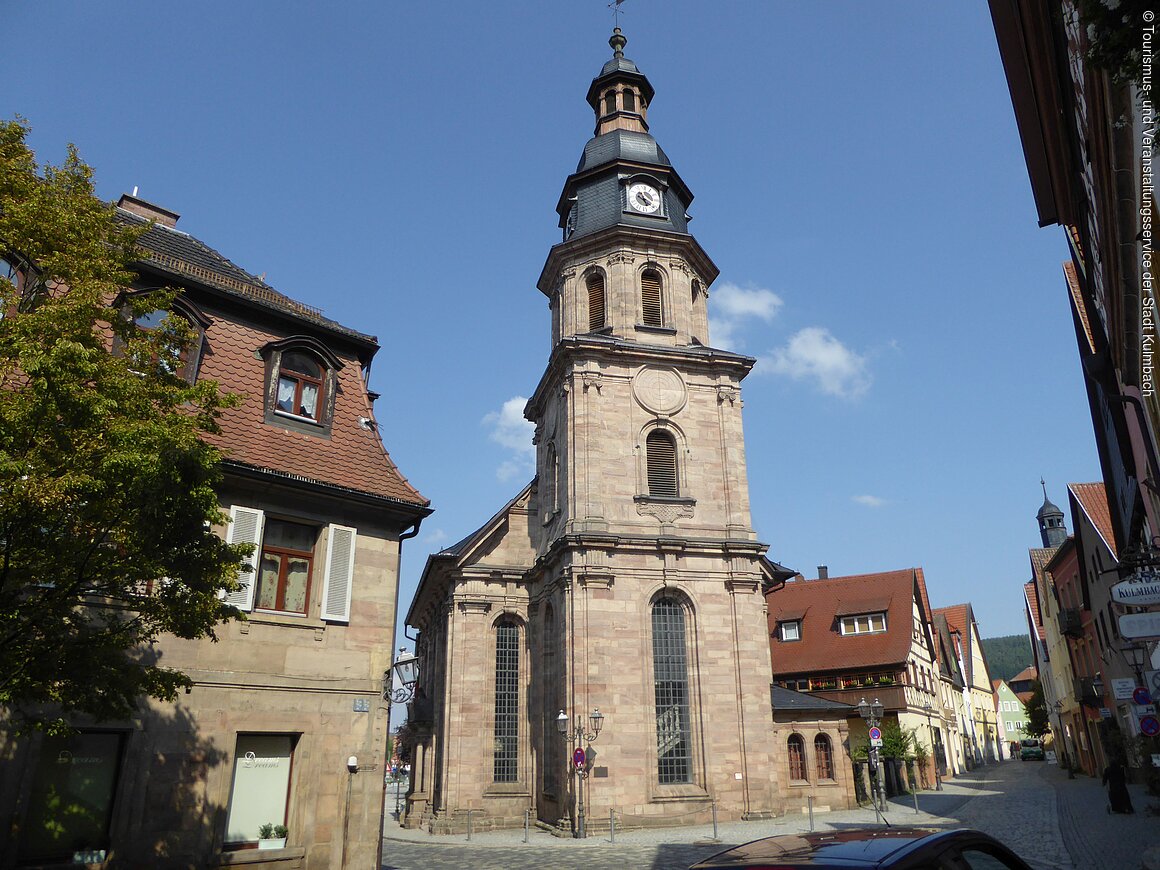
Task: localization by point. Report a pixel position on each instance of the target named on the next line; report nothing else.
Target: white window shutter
(339, 574)
(246, 528)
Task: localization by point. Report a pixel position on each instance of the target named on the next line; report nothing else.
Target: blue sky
(858, 180)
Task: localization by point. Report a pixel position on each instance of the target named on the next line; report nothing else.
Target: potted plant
(271, 836)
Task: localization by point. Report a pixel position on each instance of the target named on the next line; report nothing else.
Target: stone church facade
(626, 576)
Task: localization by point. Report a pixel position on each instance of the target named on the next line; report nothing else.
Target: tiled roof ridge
(832, 580)
(301, 478)
(264, 292)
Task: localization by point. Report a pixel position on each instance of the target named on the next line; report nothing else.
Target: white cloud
(870, 501)
(733, 308)
(814, 354)
(512, 431)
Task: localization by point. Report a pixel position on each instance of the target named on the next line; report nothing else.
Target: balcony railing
(829, 683)
(1088, 693)
(1071, 622)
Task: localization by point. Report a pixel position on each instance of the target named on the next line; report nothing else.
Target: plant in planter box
(271, 836)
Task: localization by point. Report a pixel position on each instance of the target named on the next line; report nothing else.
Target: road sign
(1141, 696)
(1150, 725)
(578, 758)
(1134, 625)
(875, 733)
(1140, 588)
(1152, 682)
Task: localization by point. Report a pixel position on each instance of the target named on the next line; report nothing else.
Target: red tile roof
(1028, 673)
(1093, 499)
(822, 647)
(1040, 556)
(351, 457)
(1033, 605)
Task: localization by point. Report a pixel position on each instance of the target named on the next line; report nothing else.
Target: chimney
(163, 216)
(823, 572)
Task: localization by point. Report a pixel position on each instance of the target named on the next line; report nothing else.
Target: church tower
(627, 576)
(1052, 530)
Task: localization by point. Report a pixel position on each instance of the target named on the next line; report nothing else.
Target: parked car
(1031, 748)
(896, 848)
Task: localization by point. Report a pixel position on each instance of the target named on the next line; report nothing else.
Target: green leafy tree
(106, 484)
(1037, 720)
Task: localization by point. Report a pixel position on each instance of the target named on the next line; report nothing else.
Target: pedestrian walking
(1116, 779)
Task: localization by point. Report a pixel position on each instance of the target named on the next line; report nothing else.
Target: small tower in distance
(1051, 527)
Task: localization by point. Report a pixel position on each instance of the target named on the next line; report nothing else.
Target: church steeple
(621, 94)
(1052, 530)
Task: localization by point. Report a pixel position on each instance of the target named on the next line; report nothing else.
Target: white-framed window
(278, 576)
(867, 623)
(791, 629)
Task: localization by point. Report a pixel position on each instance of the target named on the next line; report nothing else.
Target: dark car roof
(856, 847)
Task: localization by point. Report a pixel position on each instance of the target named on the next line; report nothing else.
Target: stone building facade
(285, 698)
(626, 576)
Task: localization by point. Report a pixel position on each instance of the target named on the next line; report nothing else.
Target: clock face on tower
(644, 198)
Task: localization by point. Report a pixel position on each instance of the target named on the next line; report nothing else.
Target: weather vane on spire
(615, 7)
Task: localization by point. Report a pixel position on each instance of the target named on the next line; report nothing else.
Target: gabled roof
(961, 620)
(1093, 501)
(948, 662)
(1040, 556)
(818, 604)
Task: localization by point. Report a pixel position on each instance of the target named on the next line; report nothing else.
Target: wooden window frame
(284, 555)
(823, 757)
(795, 749)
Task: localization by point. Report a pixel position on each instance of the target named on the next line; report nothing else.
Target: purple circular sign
(1150, 725)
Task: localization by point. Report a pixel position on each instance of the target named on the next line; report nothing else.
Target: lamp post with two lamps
(935, 747)
(576, 736)
(872, 713)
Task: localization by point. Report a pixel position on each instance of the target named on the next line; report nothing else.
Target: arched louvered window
(796, 749)
(650, 296)
(505, 765)
(610, 102)
(552, 481)
(671, 692)
(629, 99)
(661, 461)
(824, 757)
(595, 283)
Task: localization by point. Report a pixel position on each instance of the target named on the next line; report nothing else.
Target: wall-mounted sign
(1140, 588)
(1136, 625)
(1123, 689)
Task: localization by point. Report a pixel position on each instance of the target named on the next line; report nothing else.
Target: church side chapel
(600, 644)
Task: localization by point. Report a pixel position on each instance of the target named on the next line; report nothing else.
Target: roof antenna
(615, 7)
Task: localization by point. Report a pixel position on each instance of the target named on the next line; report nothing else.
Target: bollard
(810, 804)
(527, 816)
(916, 800)
(715, 820)
(612, 826)
(469, 812)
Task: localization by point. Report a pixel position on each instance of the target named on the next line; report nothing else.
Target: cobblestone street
(1051, 821)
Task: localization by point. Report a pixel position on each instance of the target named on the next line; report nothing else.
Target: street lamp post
(579, 756)
(872, 713)
(926, 706)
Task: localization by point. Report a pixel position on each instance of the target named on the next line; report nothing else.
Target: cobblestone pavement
(1052, 822)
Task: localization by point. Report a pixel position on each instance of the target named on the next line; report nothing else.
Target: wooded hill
(1007, 656)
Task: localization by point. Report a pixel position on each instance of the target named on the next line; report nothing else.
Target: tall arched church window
(671, 692)
(595, 283)
(661, 463)
(824, 757)
(629, 98)
(650, 297)
(505, 763)
(795, 748)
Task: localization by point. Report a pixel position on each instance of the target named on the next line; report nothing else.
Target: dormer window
(867, 623)
(790, 630)
(183, 325)
(300, 382)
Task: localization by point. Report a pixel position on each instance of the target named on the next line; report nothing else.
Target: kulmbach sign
(1139, 589)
